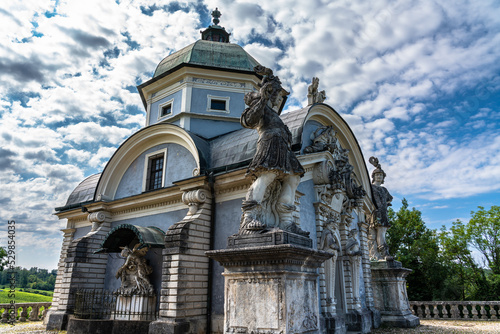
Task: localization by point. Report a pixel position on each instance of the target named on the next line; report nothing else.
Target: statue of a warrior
(275, 168)
(379, 222)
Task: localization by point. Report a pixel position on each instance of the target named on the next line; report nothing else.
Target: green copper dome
(211, 54)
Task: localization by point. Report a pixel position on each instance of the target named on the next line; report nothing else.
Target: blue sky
(418, 82)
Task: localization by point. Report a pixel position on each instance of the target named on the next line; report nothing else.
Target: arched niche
(130, 235)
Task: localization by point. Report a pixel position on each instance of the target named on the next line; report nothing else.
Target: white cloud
(386, 66)
(93, 132)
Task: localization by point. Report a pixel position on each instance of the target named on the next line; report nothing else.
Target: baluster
(5, 315)
(484, 313)
(493, 312)
(45, 310)
(24, 313)
(474, 312)
(427, 313)
(455, 312)
(34, 313)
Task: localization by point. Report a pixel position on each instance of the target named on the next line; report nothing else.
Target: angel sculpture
(134, 272)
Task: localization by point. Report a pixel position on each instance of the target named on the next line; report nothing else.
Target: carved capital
(96, 218)
(322, 171)
(194, 199)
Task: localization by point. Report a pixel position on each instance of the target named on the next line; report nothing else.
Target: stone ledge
(288, 255)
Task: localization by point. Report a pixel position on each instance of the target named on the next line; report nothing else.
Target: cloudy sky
(418, 82)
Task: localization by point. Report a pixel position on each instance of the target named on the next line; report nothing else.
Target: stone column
(389, 287)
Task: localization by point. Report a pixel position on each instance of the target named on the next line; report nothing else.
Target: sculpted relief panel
(263, 300)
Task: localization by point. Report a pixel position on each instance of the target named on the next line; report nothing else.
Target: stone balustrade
(25, 311)
(465, 310)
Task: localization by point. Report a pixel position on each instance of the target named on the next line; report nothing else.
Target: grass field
(24, 297)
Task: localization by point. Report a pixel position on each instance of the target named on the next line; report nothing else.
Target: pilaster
(184, 291)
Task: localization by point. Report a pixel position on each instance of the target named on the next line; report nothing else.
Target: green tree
(3, 258)
(417, 248)
(483, 231)
(458, 258)
(469, 279)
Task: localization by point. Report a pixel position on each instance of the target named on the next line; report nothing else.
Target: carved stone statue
(323, 139)
(379, 222)
(275, 168)
(313, 96)
(353, 250)
(134, 272)
(330, 243)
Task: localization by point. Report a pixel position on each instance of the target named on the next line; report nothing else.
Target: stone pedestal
(135, 308)
(270, 288)
(389, 292)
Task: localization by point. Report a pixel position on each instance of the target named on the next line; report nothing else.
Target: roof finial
(216, 14)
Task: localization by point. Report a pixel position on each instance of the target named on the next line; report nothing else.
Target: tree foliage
(443, 263)
(33, 278)
(483, 231)
(417, 248)
(3, 258)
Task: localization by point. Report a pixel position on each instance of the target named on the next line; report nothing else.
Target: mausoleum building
(170, 238)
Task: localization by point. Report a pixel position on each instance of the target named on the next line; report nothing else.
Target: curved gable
(138, 143)
(326, 115)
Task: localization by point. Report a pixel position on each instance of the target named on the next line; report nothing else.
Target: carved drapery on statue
(275, 169)
(134, 272)
(379, 222)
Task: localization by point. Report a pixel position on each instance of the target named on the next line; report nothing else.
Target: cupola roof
(212, 50)
(210, 54)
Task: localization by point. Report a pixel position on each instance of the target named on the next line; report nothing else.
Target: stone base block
(334, 324)
(401, 321)
(271, 289)
(193, 325)
(272, 237)
(359, 321)
(89, 326)
(95, 326)
(57, 320)
(389, 292)
(168, 327)
(376, 318)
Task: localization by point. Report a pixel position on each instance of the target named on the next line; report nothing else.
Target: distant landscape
(32, 285)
